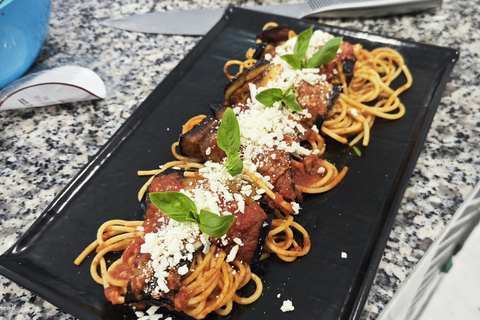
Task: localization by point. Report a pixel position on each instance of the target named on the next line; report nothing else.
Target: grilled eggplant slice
(274, 35)
(264, 231)
(334, 94)
(262, 49)
(236, 86)
(199, 139)
(238, 89)
(259, 52)
(217, 110)
(348, 69)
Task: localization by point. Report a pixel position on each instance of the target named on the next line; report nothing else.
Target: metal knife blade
(200, 21)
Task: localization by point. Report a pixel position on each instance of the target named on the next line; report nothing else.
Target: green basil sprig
(357, 151)
(181, 208)
(269, 96)
(326, 53)
(228, 139)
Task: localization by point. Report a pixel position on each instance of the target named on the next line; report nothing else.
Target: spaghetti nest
(369, 95)
(212, 284)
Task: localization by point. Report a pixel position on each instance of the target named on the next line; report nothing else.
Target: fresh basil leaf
(269, 96)
(291, 102)
(181, 208)
(175, 205)
(301, 46)
(228, 136)
(192, 216)
(326, 53)
(214, 225)
(228, 139)
(293, 61)
(234, 165)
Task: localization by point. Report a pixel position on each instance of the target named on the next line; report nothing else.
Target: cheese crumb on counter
(150, 314)
(287, 306)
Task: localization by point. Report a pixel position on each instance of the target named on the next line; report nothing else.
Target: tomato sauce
(308, 171)
(245, 227)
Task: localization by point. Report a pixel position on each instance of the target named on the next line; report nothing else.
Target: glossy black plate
(355, 218)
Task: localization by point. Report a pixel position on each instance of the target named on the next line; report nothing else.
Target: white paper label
(56, 86)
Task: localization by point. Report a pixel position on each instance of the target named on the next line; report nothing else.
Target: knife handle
(367, 8)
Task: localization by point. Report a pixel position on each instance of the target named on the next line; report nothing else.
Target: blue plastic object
(23, 27)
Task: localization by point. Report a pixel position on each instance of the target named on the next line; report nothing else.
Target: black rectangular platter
(355, 217)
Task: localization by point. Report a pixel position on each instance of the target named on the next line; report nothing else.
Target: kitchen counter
(43, 148)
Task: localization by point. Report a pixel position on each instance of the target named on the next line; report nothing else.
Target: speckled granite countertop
(43, 148)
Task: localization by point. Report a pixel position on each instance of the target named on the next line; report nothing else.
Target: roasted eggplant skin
(262, 49)
(217, 110)
(335, 93)
(348, 67)
(201, 141)
(259, 52)
(189, 142)
(264, 231)
(248, 75)
(274, 35)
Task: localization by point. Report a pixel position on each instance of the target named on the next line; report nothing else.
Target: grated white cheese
(240, 202)
(296, 208)
(183, 270)
(206, 242)
(238, 241)
(152, 310)
(319, 38)
(150, 314)
(233, 253)
(167, 248)
(216, 189)
(287, 306)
